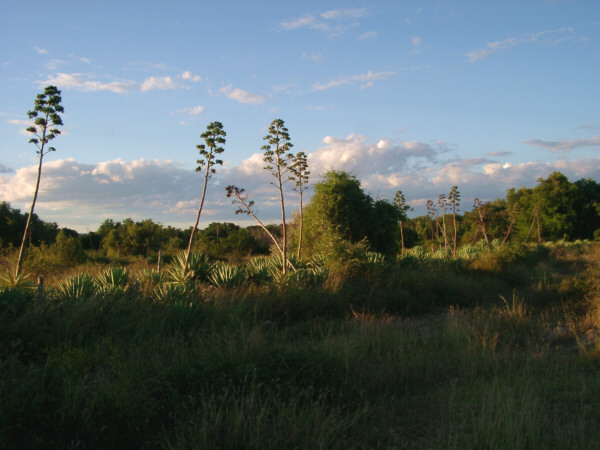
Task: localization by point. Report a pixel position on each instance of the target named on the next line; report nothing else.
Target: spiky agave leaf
(226, 275)
(148, 280)
(304, 278)
(166, 292)
(76, 287)
(113, 281)
(199, 267)
(260, 269)
(19, 281)
(317, 261)
(419, 253)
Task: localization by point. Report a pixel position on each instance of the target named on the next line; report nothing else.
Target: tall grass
(426, 355)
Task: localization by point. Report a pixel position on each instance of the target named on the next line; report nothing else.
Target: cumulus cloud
(423, 170)
(366, 79)
(566, 145)
(552, 37)
(81, 195)
(241, 96)
(353, 153)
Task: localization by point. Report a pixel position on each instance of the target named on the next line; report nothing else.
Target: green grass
(347, 363)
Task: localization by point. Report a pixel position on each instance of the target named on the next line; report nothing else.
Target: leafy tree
(557, 209)
(229, 240)
(214, 137)
(67, 248)
(340, 211)
(383, 231)
(11, 224)
(277, 156)
(299, 169)
(587, 206)
(46, 114)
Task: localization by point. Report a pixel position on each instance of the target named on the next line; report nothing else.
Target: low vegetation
(496, 348)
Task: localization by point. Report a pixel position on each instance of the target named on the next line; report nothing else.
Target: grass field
(495, 351)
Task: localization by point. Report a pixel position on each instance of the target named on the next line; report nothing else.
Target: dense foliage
(341, 212)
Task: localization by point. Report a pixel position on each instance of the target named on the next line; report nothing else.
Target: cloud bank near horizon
(81, 196)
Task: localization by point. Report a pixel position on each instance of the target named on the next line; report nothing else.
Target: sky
(416, 96)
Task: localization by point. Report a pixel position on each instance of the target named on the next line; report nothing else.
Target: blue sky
(415, 96)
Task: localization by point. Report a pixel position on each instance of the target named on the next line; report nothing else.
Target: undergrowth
(416, 353)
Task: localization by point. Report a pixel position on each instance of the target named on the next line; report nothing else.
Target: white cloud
(26, 124)
(367, 79)
(41, 51)
(416, 41)
(367, 35)
(241, 95)
(299, 22)
(564, 34)
(565, 145)
(81, 196)
(192, 111)
(334, 22)
(316, 57)
(88, 83)
(82, 82)
(342, 13)
(354, 154)
(187, 75)
(158, 83)
(319, 107)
